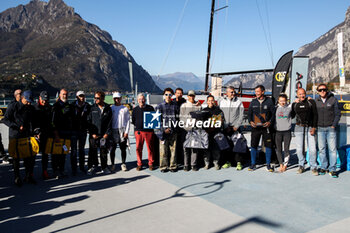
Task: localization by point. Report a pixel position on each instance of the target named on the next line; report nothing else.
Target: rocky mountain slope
(323, 52)
(50, 40)
(187, 81)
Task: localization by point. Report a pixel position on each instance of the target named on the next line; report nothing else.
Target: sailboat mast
(209, 44)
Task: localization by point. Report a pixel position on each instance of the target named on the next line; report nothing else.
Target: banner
(340, 59)
(280, 74)
(300, 71)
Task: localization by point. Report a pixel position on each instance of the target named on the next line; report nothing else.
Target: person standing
(190, 155)
(283, 125)
(305, 112)
(261, 116)
(328, 119)
(233, 111)
(141, 134)
(100, 128)
(81, 110)
(43, 117)
(20, 120)
(167, 132)
(62, 117)
(213, 152)
(17, 97)
(180, 132)
(120, 129)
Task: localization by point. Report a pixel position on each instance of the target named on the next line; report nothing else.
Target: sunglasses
(168, 95)
(81, 95)
(97, 98)
(320, 90)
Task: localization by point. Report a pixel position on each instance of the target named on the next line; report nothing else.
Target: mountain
(187, 81)
(251, 80)
(323, 52)
(50, 40)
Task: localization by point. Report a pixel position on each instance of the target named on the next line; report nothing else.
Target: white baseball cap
(117, 95)
(80, 93)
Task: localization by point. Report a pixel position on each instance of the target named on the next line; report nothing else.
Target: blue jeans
(327, 136)
(309, 143)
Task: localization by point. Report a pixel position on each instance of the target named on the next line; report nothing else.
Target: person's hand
(253, 124)
(267, 124)
(167, 131)
(312, 131)
(94, 136)
(105, 136)
(125, 135)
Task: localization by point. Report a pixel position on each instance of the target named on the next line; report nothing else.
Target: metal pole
(313, 76)
(209, 44)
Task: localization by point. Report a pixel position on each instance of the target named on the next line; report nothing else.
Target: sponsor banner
(340, 60)
(2, 112)
(300, 71)
(344, 106)
(280, 74)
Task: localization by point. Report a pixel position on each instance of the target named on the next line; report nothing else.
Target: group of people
(107, 127)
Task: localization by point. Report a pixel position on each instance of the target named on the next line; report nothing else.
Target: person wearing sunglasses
(167, 133)
(328, 119)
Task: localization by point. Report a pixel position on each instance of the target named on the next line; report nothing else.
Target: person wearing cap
(190, 155)
(20, 120)
(17, 96)
(233, 110)
(120, 129)
(100, 129)
(181, 133)
(43, 116)
(142, 134)
(62, 118)
(81, 110)
(328, 119)
(167, 132)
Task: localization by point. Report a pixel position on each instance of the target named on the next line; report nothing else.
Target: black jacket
(62, 117)
(267, 107)
(80, 115)
(43, 117)
(20, 115)
(305, 112)
(328, 113)
(100, 123)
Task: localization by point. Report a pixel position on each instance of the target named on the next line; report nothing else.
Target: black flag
(280, 73)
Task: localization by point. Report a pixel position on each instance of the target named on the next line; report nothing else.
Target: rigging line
(269, 30)
(262, 24)
(216, 22)
(224, 36)
(173, 37)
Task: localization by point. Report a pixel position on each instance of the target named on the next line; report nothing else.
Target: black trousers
(28, 164)
(93, 153)
(122, 147)
(44, 156)
(285, 137)
(2, 149)
(58, 162)
(78, 141)
(266, 134)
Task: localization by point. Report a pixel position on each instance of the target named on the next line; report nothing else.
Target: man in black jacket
(62, 116)
(260, 116)
(81, 110)
(100, 124)
(328, 119)
(43, 116)
(20, 120)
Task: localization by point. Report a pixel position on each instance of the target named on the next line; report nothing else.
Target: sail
(280, 73)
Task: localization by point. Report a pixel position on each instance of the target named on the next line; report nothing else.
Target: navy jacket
(267, 107)
(328, 112)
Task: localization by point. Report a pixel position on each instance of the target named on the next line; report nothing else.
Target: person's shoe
(226, 165)
(186, 168)
(46, 175)
(91, 171)
(216, 165)
(269, 168)
(206, 167)
(123, 167)
(252, 168)
(314, 172)
(83, 170)
(18, 181)
(284, 168)
(106, 171)
(151, 168)
(30, 179)
(139, 168)
(333, 174)
(173, 170)
(62, 175)
(239, 166)
(5, 159)
(301, 169)
(281, 168)
(74, 172)
(194, 168)
(164, 170)
(322, 172)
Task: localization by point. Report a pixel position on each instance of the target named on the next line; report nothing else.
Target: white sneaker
(91, 171)
(106, 171)
(123, 166)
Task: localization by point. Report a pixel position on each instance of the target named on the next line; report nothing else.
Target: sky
(247, 35)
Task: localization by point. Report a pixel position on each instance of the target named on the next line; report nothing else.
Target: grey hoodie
(283, 117)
